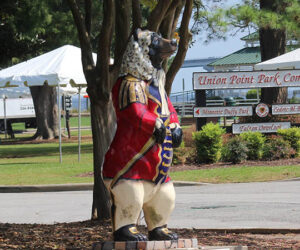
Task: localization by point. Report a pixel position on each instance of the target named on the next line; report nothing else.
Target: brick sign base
(147, 245)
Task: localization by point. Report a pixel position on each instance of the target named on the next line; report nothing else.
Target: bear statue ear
(136, 34)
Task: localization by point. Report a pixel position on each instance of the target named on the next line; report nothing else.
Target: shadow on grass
(42, 150)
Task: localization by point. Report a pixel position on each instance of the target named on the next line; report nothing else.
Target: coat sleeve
(133, 105)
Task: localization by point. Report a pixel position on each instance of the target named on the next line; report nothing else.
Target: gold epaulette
(132, 90)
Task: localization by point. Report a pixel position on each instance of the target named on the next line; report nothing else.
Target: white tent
(290, 60)
(61, 67)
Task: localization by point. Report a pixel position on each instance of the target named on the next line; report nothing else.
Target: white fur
(136, 62)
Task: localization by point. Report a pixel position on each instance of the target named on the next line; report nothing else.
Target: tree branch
(122, 32)
(104, 46)
(177, 15)
(185, 36)
(84, 39)
(157, 15)
(88, 15)
(167, 23)
(136, 14)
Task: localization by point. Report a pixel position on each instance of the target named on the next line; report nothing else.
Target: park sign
(246, 79)
(222, 111)
(269, 127)
(283, 109)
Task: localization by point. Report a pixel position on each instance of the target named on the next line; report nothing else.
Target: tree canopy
(221, 21)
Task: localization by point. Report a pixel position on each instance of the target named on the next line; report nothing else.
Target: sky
(216, 48)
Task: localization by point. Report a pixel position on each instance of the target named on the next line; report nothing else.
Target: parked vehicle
(17, 110)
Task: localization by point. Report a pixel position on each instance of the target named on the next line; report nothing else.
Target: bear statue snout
(168, 48)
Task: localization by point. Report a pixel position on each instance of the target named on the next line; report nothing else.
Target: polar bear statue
(136, 166)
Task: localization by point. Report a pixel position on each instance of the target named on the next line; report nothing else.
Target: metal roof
(190, 63)
(245, 56)
(251, 37)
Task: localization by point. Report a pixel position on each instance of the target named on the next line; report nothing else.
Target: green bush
(292, 135)
(235, 150)
(255, 142)
(252, 94)
(294, 99)
(277, 148)
(209, 142)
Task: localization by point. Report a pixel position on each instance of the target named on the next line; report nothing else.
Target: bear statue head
(144, 54)
(159, 48)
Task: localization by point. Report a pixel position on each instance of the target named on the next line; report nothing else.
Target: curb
(251, 230)
(70, 187)
(46, 188)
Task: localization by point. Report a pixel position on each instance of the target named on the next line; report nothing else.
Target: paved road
(247, 205)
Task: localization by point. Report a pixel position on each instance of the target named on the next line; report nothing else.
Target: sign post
(4, 112)
(200, 102)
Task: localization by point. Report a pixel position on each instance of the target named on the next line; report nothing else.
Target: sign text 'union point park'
(246, 79)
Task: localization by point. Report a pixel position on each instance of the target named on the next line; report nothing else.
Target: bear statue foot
(129, 233)
(162, 233)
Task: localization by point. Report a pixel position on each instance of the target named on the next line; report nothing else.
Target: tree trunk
(103, 127)
(272, 44)
(46, 111)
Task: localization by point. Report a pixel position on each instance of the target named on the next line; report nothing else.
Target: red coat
(137, 106)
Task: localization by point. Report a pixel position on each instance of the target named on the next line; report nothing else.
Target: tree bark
(46, 111)
(103, 128)
(272, 44)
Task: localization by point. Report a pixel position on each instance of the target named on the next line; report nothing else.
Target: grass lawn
(84, 121)
(238, 174)
(32, 164)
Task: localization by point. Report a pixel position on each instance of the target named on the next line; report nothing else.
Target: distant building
(246, 58)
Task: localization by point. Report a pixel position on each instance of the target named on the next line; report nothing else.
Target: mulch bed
(81, 235)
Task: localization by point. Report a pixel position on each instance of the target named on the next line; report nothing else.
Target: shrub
(252, 94)
(180, 154)
(292, 135)
(209, 142)
(277, 148)
(235, 150)
(255, 142)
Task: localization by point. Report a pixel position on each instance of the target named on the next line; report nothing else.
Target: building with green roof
(241, 60)
(246, 58)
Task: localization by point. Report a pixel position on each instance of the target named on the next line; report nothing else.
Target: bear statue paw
(162, 233)
(129, 233)
(176, 137)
